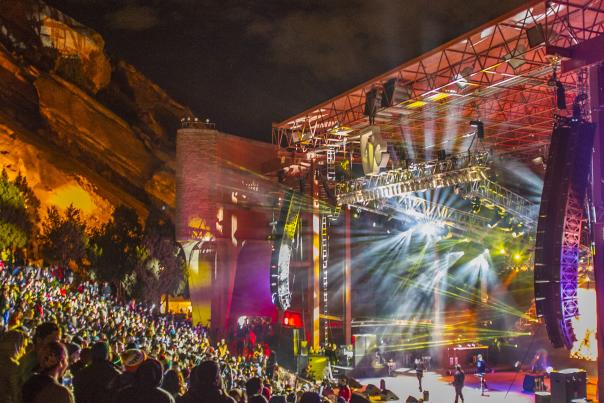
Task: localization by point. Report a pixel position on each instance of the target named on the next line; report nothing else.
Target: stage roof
(494, 74)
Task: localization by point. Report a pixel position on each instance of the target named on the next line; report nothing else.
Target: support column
(597, 111)
(316, 266)
(347, 281)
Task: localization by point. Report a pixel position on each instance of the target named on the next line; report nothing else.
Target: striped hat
(132, 359)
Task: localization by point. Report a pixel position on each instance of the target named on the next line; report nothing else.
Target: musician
(458, 382)
(481, 371)
(419, 372)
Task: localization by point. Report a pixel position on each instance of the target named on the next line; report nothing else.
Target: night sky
(246, 64)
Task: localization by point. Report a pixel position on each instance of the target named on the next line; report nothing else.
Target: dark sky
(246, 64)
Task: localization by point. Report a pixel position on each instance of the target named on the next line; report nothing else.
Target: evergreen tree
(161, 268)
(64, 237)
(117, 247)
(15, 226)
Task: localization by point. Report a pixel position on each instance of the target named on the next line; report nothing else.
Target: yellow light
(438, 96)
(416, 104)
(517, 257)
(502, 251)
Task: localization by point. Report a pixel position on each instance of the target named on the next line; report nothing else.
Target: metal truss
(456, 169)
(418, 207)
(324, 275)
(504, 198)
(569, 261)
(493, 73)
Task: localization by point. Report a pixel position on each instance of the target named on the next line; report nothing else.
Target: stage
(503, 387)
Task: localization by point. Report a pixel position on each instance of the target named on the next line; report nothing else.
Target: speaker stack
(568, 385)
(559, 228)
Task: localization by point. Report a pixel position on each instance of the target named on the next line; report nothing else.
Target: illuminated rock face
(81, 127)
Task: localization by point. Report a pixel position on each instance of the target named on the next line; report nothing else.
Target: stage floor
(503, 387)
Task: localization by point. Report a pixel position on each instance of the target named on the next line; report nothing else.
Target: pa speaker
(535, 35)
(395, 92)
(568, 384)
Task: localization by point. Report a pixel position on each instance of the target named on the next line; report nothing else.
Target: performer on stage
(419, 371)
(481, 371)
(458, 381)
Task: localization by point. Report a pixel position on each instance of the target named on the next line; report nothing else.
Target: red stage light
(292, 319)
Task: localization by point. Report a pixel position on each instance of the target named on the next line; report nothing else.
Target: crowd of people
(64, 342)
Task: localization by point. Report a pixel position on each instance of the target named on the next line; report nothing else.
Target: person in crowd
(174, 383)
(84, 359)
(146, 387)
(237, 395)
(92, 383)
(458, 382)
(206, 385)
(253, 390)
(310, 397)
(344, 390)
(12, 348)
(45, 334)
(131, 361)
(44, 386)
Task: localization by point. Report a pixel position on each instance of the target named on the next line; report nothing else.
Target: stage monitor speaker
(568, 384)
(372, 390)
(388, 395)
(543, 397)
(411, 399)
(357, 398)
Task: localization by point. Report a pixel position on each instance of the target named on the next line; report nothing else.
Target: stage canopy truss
(498, 73)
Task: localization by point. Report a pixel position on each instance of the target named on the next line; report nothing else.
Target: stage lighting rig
(453, 170)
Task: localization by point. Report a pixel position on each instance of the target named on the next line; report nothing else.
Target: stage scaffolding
(499, 74)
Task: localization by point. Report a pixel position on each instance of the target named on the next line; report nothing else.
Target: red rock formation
(82, 127)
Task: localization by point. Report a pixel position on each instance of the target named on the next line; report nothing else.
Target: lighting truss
(420, 208)
(433, 174)
(504, 198)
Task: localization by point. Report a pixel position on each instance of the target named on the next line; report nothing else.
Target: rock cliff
(83, 127)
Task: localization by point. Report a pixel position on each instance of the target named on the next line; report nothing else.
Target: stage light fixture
(479, 126)
(476, 205)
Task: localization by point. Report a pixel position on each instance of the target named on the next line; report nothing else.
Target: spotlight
(502, 251)
(517, 257)
(479, 126)
(486, 251)
(428, 229)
